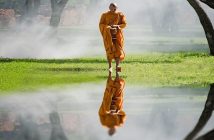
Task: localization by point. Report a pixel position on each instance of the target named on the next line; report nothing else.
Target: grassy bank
(176, 69)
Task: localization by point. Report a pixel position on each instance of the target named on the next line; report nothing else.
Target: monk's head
(113, 7)
(112, 131)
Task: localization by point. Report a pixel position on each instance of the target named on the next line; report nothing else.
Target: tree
(210, 3)
(32, 7)
(57, 7)
(205, 21)
(57, 132)
(204, 118)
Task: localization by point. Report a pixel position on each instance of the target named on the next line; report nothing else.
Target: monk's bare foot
(118, 69)
(110, 69)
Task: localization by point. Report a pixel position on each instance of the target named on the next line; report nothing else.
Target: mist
(149, 21)
(152, 113)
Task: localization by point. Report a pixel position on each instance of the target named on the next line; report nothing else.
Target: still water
(88, 112)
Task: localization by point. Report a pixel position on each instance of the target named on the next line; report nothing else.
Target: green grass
(176, 69)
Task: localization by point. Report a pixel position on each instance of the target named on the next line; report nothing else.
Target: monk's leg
(117, 76)
(109, 64)
(117, 61)
(118, 68)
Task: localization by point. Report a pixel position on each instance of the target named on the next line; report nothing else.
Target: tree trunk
(29, 8)
(37, 4)
(57, 7)
(210, 3)
(206, 23)
(57, 132)
(205, 116)
(32, 7)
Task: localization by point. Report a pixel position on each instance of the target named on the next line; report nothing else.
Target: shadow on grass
(72, 69)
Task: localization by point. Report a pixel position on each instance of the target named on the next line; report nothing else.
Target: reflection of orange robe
(113, 50)
(113, 100)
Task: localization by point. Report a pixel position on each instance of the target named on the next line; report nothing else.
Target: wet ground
(72, 113)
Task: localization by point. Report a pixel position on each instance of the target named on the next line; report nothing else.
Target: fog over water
(152, 113)
(153, 26)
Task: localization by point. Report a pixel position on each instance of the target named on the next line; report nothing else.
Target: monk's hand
(108, 112)
(109, 27)
(116, 26)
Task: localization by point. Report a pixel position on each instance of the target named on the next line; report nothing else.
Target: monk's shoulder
(105, 13)
(120, 13)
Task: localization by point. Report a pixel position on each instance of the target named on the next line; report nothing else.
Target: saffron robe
(113, 49)
(113, 100)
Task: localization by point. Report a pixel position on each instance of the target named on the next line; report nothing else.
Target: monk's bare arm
(123, 22)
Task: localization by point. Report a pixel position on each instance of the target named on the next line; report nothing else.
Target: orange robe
(113, 100)
(113, 50)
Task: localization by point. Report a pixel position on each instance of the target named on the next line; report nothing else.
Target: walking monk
(111, 110)
(111, 25)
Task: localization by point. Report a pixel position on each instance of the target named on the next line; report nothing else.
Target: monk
(111, 25)
(111, 110)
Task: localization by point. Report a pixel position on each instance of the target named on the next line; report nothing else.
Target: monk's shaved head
(112, 131)
(113, 4)
(113, 7)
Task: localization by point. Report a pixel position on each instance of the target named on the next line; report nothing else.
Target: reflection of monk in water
(111, 25)
(110, 112)
(205, 116)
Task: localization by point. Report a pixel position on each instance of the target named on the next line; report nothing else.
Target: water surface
(72, 113)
